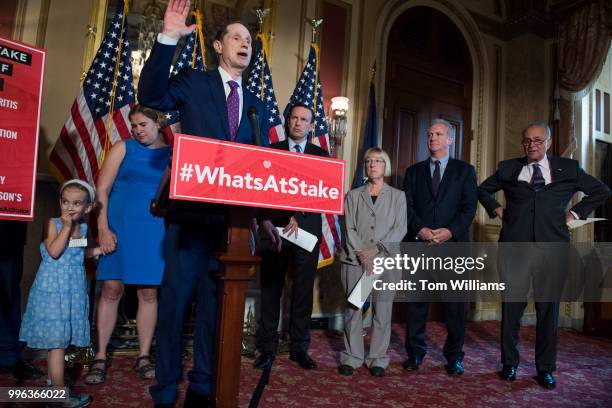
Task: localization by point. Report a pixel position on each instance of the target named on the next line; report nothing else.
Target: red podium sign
(233, 173)
(21, 84)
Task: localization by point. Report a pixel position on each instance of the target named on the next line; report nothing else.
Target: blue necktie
(298, 148)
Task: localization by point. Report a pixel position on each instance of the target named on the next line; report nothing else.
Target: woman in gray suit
(374, 214)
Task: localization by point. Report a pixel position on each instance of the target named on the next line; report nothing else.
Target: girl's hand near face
(66, 218)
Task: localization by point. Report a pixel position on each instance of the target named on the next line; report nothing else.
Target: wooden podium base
(239, 269)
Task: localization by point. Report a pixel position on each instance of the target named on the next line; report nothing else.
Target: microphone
(252, 112)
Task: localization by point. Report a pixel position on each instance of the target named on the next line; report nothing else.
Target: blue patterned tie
(233, 109)
(537, 180)
(298, 148)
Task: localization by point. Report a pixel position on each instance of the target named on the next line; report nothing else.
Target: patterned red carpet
(584, 376)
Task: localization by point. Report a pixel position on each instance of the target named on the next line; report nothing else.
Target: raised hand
(175, 17)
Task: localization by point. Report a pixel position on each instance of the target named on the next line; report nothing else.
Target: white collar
(225, 77)
(544, 163)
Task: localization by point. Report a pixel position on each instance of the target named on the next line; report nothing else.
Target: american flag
(191, 56)
(104, 101)
(308, 91)
(260, 84)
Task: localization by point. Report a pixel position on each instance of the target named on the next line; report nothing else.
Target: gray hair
(450, 128)
(384, 156)
(538, 123)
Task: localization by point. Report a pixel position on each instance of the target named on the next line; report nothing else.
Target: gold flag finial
(315, 23)
(373, 71)
(261, 14)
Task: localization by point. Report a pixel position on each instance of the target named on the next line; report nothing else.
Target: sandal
(146, 371)
(96, 375)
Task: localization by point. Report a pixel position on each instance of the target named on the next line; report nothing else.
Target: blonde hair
(384, 156)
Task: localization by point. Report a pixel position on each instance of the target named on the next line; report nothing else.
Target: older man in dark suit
(277, 255)
(441, 197)
(537, 189)
(212, 104)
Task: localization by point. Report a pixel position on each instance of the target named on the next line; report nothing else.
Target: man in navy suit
(277, 254)
(537, 189)
(211, 104)
(441, 196)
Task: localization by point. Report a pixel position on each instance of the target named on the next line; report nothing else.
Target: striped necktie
(537, 180)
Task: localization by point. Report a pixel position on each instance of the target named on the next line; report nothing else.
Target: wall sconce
(337, 122)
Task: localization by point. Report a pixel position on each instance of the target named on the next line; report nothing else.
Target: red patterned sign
(238, 174)
(21, 84)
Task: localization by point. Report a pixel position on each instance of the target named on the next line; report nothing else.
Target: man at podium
(211, 104)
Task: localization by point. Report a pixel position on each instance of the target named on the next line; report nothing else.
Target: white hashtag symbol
(186, 172)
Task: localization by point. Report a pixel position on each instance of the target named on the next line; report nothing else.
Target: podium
(239, 269)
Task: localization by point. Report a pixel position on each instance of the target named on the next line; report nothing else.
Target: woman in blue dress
(130, 236)
(57, 314)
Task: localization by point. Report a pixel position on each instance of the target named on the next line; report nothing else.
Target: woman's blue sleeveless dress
(138, 257)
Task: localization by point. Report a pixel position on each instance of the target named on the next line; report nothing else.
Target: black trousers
(454, 315)
(272, 277)
(547, 315)
(543, 266)
(11, 270)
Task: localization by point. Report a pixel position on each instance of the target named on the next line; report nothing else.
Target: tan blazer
(369, 224)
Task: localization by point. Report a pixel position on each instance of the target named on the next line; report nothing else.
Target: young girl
(58, 307)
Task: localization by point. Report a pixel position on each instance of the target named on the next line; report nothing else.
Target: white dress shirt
(302, 144)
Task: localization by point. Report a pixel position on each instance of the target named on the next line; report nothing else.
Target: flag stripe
(88, 119)
(86, 150)
(59, 165)
(70, 147)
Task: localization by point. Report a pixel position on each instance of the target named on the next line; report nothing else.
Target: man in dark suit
(277, 255)
(211, 104)
(537, 189)
(441, 197)
(12, 239)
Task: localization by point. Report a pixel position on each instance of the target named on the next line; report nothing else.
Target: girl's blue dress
(57, 313)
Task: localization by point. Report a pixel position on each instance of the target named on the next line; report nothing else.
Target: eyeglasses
(535, 142)
(375, 161)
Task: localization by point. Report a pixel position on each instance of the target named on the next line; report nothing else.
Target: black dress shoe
(377, 371)
(454, 368)
(196, 400)
(508, 373)
(546, 380)
(303, 359)
(345, 369)
(264, 361)
(412, 363)
(23, 370)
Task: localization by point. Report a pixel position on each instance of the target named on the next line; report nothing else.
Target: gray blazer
(369, 224)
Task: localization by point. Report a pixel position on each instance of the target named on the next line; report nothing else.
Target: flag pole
(261, 15)
(315, 25)
(112, 95)
(199, 27)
